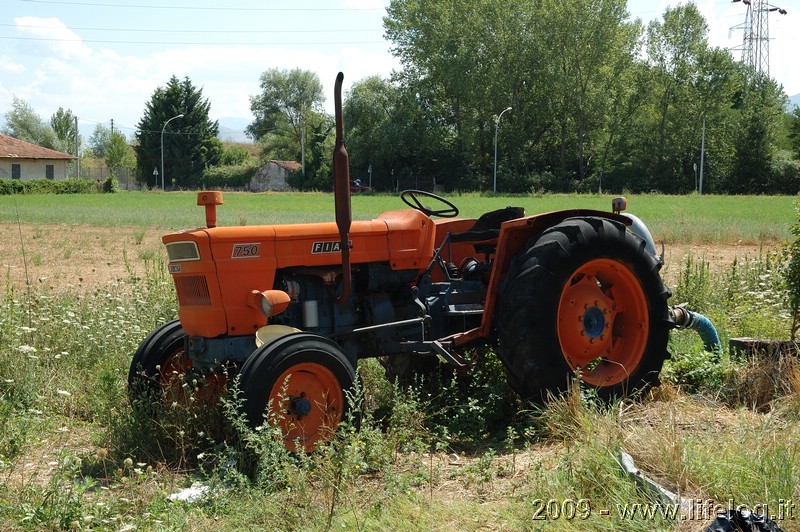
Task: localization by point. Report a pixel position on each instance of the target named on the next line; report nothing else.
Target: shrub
(784, 174)
(47, 186)
(228, 176)
(110, 185)
(792, 275)
(235, 155)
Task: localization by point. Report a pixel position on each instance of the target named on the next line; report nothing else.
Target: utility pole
(755, 45)
(702, 155)
(77, 151)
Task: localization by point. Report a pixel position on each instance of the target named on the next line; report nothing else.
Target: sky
(103, 59)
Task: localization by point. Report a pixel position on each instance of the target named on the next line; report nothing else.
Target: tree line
(515, 95)
(594, 101)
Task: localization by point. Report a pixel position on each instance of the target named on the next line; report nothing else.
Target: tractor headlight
(270, 302)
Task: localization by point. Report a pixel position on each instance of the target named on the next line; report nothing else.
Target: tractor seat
(487, 227)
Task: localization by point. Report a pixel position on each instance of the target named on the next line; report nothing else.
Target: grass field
(688, 219)
(452, 455)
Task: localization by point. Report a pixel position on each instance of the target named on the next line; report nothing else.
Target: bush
(228, 176)
(784, 174)
(792, 275)
(235, 155)
(110, 185)
(47, 186)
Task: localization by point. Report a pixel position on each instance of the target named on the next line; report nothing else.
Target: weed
(60, 503)
(149, 255)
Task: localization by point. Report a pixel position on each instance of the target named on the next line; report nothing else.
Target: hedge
(47, 186)
(238, 176)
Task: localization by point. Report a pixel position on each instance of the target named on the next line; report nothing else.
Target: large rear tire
(584, 298)
(298, 383)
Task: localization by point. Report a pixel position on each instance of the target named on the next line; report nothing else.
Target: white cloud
(50, 35)
(9, 65)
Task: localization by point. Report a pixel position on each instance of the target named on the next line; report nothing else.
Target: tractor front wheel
(160, 369)
(583, 299)
(298, 384)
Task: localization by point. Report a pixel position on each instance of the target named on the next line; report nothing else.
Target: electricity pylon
(755, 45)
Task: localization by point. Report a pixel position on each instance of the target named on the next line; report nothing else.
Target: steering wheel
(412, 199)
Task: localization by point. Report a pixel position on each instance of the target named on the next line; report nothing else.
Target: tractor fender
(270, 333)
(514, 235)
(638, 227)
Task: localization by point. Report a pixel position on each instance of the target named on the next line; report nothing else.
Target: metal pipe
(341, 190)
(401, 323)
(687, 319)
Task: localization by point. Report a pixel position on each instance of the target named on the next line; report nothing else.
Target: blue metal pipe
(687, 319)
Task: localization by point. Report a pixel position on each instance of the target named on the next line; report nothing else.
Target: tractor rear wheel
(298, 383)
(583, 299)
(160, 369)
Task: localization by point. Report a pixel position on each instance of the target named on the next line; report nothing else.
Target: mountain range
(231, 129)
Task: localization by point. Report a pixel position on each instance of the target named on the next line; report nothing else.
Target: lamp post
(496, 126)
(162, 147)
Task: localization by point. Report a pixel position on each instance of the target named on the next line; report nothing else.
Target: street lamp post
(162, 148)
(496, 127)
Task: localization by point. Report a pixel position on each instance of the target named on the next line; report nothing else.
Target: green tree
(23, 123)
(319, 149)
(448, 86)
(287, 96)
(686, 76)
(64, 124)
(555, 63)
(190, 142)
(369, 111)
(118, 153)
(289, 117)
(761, 113)
(794, 130)
(591, 47)
(98, 142)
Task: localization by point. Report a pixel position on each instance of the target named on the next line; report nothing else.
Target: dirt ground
(74, 257)
(84, 258)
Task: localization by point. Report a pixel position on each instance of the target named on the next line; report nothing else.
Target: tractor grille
(192, 291)
(182, 251)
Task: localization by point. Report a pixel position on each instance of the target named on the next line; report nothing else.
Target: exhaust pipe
(341, 190)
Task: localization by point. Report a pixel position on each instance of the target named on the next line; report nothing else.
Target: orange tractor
(293, 308)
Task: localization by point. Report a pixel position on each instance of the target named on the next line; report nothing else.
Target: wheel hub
(300, 406)
(594, 323)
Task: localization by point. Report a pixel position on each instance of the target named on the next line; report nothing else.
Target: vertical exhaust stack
(341, 190)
